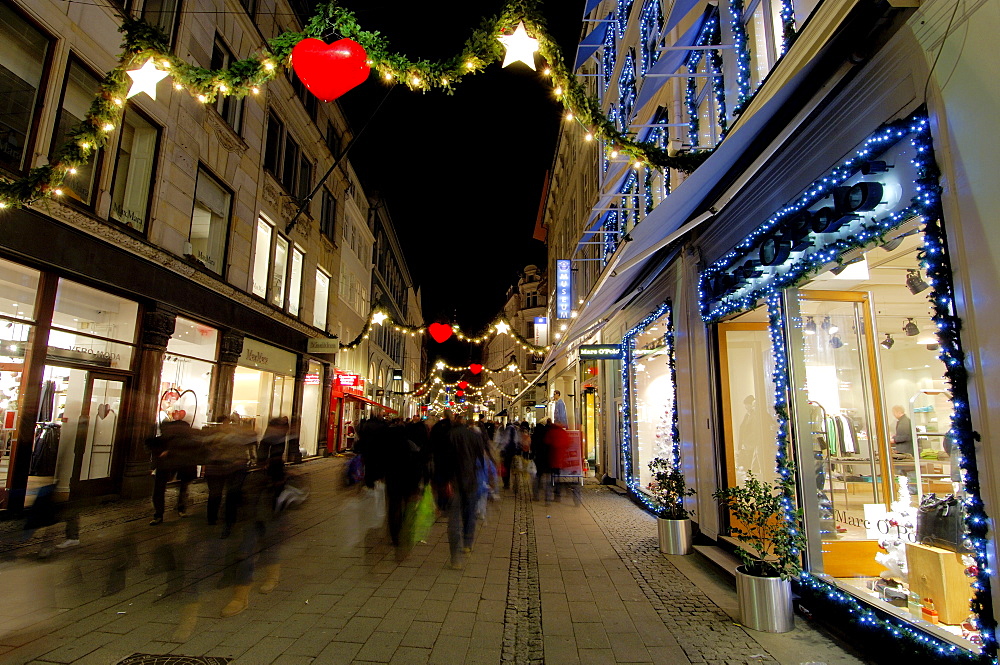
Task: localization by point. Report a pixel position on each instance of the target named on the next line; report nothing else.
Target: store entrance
(76, 435)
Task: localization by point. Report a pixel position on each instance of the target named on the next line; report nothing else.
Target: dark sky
(462, 174)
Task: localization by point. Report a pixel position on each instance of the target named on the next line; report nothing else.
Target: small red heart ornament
(330, 70)
(462, 385)
(475, 368)
(439, 331)
(459, 393)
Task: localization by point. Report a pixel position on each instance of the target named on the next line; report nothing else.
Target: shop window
(762, 22)
(278, 273)
(135, 163)
(228, 106)
(78, 94)
(186, 378)
(328, 215)
(19, 285)
(652, 417)
(321, 300)
(92, 327)
(210, 222)
(295, 281)
(24, 56)
(162, 14)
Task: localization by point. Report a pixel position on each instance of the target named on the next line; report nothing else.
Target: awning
(370, 401)
(591, 6)
(680, 9)
(593, 41)
(670, 61)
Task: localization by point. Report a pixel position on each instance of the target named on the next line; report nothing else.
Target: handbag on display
(941, 522)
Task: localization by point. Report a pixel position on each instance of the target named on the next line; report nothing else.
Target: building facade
(806, 305)
(185, 272)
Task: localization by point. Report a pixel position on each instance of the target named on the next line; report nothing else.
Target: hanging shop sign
(397, 375)
(601, 351)
(323, 345)
(348, 380)
(564, 295)
(541, 330)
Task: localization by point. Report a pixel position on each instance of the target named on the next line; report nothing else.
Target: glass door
(98, 432)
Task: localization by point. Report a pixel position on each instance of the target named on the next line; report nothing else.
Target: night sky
(462, 174)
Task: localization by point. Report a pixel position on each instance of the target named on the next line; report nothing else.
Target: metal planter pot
(765, 602)
(675, 535)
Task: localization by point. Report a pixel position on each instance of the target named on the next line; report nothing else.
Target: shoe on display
(69, 542)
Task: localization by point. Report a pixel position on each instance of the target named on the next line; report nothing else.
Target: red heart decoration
(330, 70)
(459, 393)
(475, 368)
(439, 331)
(462, 385)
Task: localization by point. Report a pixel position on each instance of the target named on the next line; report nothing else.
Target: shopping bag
(355, 471)
(424, 514)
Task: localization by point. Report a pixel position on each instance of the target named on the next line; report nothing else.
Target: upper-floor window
(284, 159)
(531, 300)
(78, 93)
(764, 29)
(328, 215)
(24, 58)
(321, 301)
(295, 269)
(608, 56)
(228, 106)
(210, 222)
(630, 210)
(308, 99)
(626, 90)
(333, 139)
(650, 24)
(624, 9)
(162, 14)
(250, 6)
(276, 272)
(135, 166)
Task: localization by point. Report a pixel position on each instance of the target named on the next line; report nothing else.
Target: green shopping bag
(421, 515)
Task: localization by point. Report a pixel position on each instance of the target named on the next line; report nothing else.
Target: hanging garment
(46, 402)
(45, 450)
(849, 437)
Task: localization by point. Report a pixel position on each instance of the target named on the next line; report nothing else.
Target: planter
(765, 602)
(675, 535)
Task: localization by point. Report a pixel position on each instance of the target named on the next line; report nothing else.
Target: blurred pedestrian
(540, 455)
(464, 454)
(508, 443)
(226, 470)
(176, 454)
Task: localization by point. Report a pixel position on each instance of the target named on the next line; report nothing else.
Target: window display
(652, 416)
(264, 384)
(186, 378)
(92, 327)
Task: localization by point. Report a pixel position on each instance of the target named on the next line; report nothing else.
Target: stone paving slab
(558, 583)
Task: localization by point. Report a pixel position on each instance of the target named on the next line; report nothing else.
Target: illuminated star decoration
(520, 47)
(439, 365)
(503, 328)
(145, 79)
(379, 317)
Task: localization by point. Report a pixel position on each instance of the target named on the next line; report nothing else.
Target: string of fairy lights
(516, 35)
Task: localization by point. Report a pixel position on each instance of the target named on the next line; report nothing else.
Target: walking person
(175, 455)
(457, 464)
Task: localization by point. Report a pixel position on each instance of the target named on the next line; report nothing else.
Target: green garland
(143, 41)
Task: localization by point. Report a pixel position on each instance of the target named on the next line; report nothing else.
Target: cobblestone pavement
(545, 583)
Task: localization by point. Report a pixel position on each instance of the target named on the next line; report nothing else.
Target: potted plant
(773, 540)
(668, 489)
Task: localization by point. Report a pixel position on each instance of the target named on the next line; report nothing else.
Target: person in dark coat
(465, 455)
(402, 476)
(540, 453)
(441, 461)
(416, 431)
(176, 453)
(271, 451)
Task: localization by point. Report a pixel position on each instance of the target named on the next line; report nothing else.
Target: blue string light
(650, 24)
(934, 257)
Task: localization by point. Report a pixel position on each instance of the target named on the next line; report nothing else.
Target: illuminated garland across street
(145, 50)
(935, 259)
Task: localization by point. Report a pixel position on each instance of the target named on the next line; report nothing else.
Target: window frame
(56, 142)
(202, 168)
(31, 136)
(140, 12)
(235, 104)
(326, 308)
(152, 175)
(773, 40)
(328, 216)
(270, 296)
(280, 161)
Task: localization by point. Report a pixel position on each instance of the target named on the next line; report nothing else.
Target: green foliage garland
(143, 41)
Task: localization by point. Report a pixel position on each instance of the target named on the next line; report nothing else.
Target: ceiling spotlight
(810, 326)
(836, 342)
(887, 342)
(910, 328)
(829, 326)
(914, 282)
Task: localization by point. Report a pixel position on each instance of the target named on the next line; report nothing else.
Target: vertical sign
(564, 299)
(541, 331)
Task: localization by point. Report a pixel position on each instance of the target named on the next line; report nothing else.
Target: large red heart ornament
(439, 331)
(459, 393)
(462, 385)
(475, 368)
(330, 70)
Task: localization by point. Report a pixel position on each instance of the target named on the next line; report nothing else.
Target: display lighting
(936, 262)
(809, 327)
(910, 328)
(888, 342)
(629, 419)
(915, 283)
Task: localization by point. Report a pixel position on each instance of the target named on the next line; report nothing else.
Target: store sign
(348, 380)
(541, 331)
(312, 380)
(397, 375)
(601, 351)
(266, 357)
(564, 295)
(323, 345)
